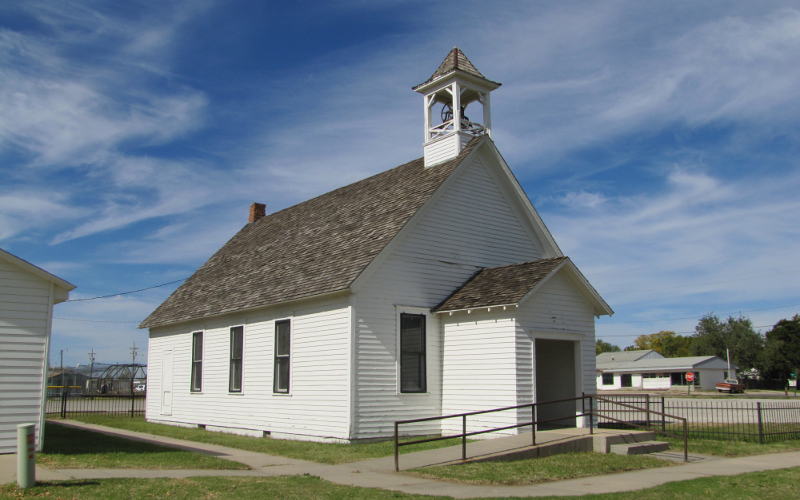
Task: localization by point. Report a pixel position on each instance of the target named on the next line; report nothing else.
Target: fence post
(760, 423)
(663, 416)
(463, 437)
(685, 440)
(533, 424)
(647, 403)
(396, 449)
(63, 404)
(591, 415)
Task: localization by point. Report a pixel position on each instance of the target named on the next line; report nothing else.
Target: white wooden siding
(441, 150)
(559, 308)
(317, 406)
(479, 370)
(469, 224)
(24, 313)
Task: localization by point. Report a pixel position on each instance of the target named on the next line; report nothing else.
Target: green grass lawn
(539, 470)
(66, 447)
(730, 448)
(772, 485)
(328, 453)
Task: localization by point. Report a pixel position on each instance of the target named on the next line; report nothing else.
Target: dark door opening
(555, 379)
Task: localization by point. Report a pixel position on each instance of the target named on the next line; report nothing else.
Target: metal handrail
(533, 423)
(648, 427)
(464, 434)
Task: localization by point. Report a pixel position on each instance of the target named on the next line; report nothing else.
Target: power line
(126, 293)
(86, 320)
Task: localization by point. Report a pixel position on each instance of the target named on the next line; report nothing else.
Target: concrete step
(640, 448)
(603, 442)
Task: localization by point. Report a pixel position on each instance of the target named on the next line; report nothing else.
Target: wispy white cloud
(95, 95)
(23, 211)
(702, 241)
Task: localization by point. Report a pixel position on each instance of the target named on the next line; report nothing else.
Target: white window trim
(288, 394)
(244, 336)
(398, 310)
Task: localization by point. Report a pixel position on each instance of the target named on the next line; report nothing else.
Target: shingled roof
(503, 285)
(316, 247)
(455, 60)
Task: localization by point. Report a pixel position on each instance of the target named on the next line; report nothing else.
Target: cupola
(452, 116)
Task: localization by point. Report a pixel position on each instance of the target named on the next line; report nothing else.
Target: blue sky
(659, 141)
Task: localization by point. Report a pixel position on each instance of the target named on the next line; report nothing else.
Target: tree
(667, 343)
(601, 347)
(712, 337)
(781, 354)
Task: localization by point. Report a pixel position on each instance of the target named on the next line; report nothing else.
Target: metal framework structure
(120, 379)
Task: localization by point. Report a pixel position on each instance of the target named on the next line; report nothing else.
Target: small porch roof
(510, 285)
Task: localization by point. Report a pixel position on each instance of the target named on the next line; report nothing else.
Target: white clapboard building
(27, 296)
(431, 288)
(648, 370)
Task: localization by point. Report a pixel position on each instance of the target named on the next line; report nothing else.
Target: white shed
(27, 296)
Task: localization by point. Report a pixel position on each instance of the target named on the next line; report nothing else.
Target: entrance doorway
(555, 379)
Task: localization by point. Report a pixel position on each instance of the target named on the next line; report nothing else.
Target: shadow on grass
(64, 440)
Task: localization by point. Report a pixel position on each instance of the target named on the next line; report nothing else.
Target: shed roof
(316, 247)
(36, 270)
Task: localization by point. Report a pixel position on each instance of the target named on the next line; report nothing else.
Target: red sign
(690, 376)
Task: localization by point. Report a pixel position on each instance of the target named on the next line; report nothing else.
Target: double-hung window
(280, 380)
(197, 362)
(236, 351)
(412, 353)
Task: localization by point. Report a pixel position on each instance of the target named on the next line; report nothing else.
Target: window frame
(603, 379)
(232, 360)
(277, 359)
(423, 365)
(196, 365)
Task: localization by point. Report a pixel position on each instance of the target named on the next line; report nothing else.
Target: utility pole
(91, 367)
(728, 355)
(63, 386)
(134, 351)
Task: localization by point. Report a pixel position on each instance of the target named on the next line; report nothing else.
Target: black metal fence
(736, 419)
(71, 404)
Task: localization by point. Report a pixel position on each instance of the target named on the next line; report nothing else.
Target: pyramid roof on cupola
(456, 61)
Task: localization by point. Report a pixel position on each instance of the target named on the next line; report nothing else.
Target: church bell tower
(450, 94)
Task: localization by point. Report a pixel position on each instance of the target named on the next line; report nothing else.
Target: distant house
(431, 288)
(27, 296)
(70, 379)
(648, 370)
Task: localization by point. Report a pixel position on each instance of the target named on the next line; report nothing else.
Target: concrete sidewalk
(377, 473)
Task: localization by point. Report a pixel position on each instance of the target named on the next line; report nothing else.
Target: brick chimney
(257, 211)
